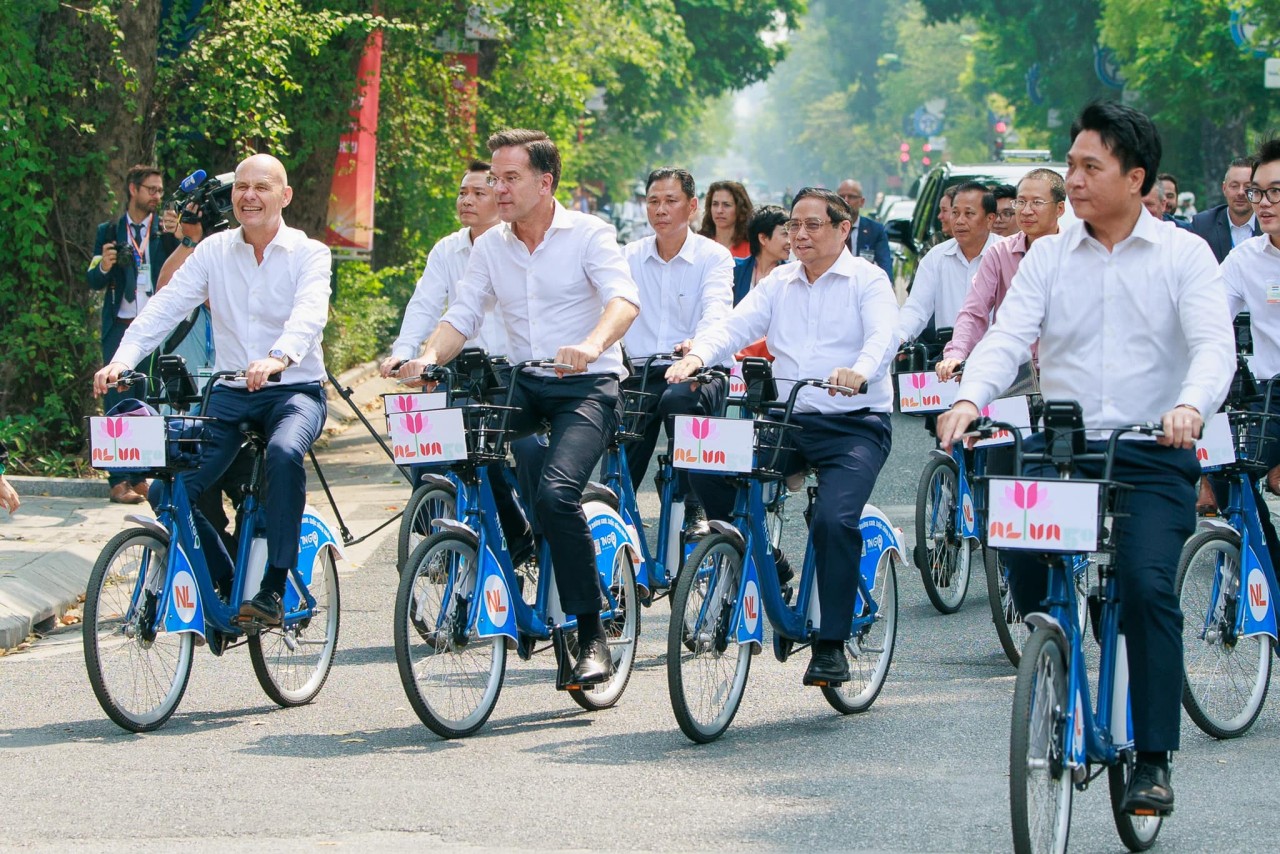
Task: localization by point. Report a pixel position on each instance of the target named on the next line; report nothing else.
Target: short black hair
(763, 222)
(837, 208)
(988, 198)
(1239, 163)
(1167, 177)
(543, 154)
(478, 166)
(681, 175)
(1127, 133)
(1057, 186)
(1268, 152)
(137, 174)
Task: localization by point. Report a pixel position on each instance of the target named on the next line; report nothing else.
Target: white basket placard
(1042, 515)
(1216, 446)
(922, 393)
(713, 444)
(127, 442)
(1010, 410)
(737, 385)
(435, 436)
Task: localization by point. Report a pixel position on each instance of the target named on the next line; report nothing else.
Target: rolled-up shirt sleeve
(916, 311)
(425, 307)
(748, 321)
(973, 320)
(475, 294)
(188, 288)
(310, 312)
(993, 363)
(879, 311)
(717, 295)
(1234, 285)
(1206, 325)
(608, 270)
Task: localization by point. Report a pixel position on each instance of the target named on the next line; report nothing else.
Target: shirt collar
(1147, 228)
(286, 238)
(843, 266)
(1017, 243)
(1250, 224)
(1268, 247)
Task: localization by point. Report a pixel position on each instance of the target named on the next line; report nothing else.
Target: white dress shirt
(1129, 333)
(438, 287)
(683, 298)
(280, 304)
(844, 319)
(550, 298)
(939, 288)
(1241, 233)
(1251, 274)
(145, 273)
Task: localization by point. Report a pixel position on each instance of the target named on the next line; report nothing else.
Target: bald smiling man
(267, 286)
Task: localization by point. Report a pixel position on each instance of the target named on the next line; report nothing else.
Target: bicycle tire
(434, 634)
(1010, 628)
(1137, 832)
(941, 554)
(1225, 677)
(621, 631)
(1040, 785)
(697, 641)
(871, 651)
(289, 666)
(429, 501)
(115, 633)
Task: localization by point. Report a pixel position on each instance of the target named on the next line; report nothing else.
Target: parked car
(900, 209)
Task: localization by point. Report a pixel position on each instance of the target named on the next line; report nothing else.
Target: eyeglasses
(1038, 204)
(1255, 194)
(1007, 213)
(795, 226)
(508, 180)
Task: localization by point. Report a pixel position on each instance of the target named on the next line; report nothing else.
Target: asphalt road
(924, 770)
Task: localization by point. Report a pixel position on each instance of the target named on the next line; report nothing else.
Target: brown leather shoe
(122, 493)
(141, 488)
(1273, 481)
(1206, 503)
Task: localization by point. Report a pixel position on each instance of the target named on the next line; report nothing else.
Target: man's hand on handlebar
(946, 368)
(847, 377)
(955, 422)
(683, 369)
(260, 371)
(104, 379)
(577, 357)
(410, 372)
(1182, 425)
(390, 365)
(683, 348)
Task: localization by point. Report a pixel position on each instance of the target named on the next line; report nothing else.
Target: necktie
(131, 278)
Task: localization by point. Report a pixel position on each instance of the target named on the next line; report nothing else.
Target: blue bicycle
(151, 599)
(1057, 737)
(716, 620)
(461, 604)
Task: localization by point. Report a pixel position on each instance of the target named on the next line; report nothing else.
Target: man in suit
(1226, 226)
(867, 238)
(127, 256)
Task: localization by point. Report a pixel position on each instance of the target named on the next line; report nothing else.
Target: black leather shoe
(785, 572)
(827, 667)
(594, 666)
(695, 525)
(265, 608)
(1149, 791)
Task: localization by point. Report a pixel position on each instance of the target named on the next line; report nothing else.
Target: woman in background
(728, 210)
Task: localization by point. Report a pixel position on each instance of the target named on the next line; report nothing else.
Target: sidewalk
(48, 549)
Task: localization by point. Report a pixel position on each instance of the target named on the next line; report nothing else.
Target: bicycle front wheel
(1040, 786)
(1010, 628)
(1137, 832)
(450, 674)
(292, 662)
(428, 502)
(621, 629)
(870, 650)
(706, 670)
(1225, 676)
(942, 555)
(138, 672)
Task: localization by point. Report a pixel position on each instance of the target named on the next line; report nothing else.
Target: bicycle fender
(878, 536)
(182, 608)
(462, 529)
(1047, 622)
(942, 455)
(437, 480)
(1260, 615)
(726, 528)
(747, 623)
(150, 523)
(1214, 523)
(496, 617)
(609, 532)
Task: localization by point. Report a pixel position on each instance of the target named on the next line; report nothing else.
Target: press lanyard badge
(1273, 293)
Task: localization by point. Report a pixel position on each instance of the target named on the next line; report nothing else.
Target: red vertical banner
(464, 111)
(351, 195)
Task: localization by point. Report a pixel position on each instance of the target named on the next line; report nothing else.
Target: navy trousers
(582, 414)
(291, 417)
(1161, 516)
(848, 450)
(668, 401)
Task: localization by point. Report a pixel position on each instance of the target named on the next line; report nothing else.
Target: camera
(124, 253)
(211, 198)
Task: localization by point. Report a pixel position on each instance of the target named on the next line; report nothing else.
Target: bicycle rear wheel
(870, 650)
(621, 631)
(1137, 832)
(292, 662)
(429, 501)
(1010, 628)
(138, 672)
(942, 555)
(451, 675)
(1225, 676)
(1040, 786)
(706, 670)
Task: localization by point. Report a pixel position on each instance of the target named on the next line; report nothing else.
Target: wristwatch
(282, 356)
(188, 242)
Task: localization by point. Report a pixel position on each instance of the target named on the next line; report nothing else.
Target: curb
(51, 584)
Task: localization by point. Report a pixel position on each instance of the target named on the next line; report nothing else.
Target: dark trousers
(848, 450)
(291, 417)
(582, 413)
(110, 343)
(668, 401)
(1161, 516)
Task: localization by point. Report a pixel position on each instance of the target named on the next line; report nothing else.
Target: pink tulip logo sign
(988, 412)
(404, 403)
(701, 429)
(919, 382)
(1026, 498)
(117, 429)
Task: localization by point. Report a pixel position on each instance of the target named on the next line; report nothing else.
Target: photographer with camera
(127, 256)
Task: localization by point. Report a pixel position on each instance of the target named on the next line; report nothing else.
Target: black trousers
(1161, 516)
(668, 401)
(582, 414)
(848, 450)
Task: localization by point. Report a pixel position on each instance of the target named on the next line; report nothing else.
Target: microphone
(192, 181)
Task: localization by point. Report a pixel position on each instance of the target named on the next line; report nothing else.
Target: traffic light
(905, 150)
(1001, 126)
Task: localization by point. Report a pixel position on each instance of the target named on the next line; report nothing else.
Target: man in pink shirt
(1040, 202)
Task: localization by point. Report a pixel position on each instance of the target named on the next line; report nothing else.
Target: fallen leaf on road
(353, 740)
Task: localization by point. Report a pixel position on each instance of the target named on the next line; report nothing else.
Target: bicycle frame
(657, 569)
(1257, 575)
